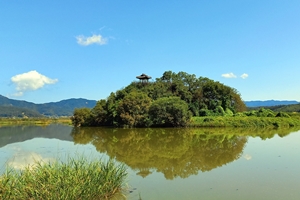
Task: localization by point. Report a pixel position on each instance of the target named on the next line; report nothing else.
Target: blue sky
(55, 50)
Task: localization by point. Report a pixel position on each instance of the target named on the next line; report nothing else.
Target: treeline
(170, 100)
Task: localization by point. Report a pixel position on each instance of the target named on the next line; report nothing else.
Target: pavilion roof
(143, 76)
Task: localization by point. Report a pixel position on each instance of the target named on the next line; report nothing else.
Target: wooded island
(173, 100)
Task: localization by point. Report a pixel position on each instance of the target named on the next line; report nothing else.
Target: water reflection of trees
(13, 134)
(174, 152)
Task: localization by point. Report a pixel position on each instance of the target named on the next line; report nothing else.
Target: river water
(172, 163)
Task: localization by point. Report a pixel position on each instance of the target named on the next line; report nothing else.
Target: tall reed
(75, 179)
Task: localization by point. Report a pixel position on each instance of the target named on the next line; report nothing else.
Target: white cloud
(94, 39)
(248, 157)
(30, 81)
(229, 75)
(22, 160)
(244, 76)
(232, 75)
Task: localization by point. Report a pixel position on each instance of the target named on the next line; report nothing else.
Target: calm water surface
(172, 163)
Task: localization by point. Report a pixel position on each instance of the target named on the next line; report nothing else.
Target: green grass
(34, 121)
(243, 121)
(75, 179)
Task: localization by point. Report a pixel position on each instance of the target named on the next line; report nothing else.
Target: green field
(249, 121)
(34, 121)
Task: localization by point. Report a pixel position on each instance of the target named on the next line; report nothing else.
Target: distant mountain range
(269, 103)
(276, 106)
(18, 108)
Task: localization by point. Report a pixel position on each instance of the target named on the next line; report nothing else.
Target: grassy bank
(74, 179)
(34, 121)
(250, 121)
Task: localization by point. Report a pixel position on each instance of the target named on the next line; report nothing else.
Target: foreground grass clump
(74, 179)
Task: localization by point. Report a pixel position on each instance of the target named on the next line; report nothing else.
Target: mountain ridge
(61, 108)
(260, 103)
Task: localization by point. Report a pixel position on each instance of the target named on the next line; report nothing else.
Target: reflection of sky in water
(23, 159)
(19, 155)
(247, 157)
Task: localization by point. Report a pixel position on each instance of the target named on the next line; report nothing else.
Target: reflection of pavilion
(143, 78)
(144, 172)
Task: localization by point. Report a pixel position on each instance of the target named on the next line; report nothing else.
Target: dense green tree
(111, 108)
(133, 109)
(82, 117)
(99, 113)
(236, 102)
(169, 111)
(213, 94)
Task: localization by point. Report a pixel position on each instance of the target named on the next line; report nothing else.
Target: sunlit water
(172, 163)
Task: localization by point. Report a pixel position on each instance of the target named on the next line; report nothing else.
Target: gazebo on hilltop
(144, 78)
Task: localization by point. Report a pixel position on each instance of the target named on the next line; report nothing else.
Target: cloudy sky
(55, 50)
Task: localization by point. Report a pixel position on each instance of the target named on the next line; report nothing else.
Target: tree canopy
(170, 100)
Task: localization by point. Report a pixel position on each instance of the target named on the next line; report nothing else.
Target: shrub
(204, 112)
(169, 111)
(219, 111)
(82, 117)
(282, 114)
(228, 112)
(133, 109)
(208, 120)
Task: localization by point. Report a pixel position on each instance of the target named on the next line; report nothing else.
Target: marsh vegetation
(78, 178)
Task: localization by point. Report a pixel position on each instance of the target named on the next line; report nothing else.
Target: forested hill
(12, 111)
(17, 108)
(170, 100)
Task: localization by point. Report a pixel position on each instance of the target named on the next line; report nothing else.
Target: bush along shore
(75, 179)
(255, 118)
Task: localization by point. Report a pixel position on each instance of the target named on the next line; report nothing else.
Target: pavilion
(144, 78)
